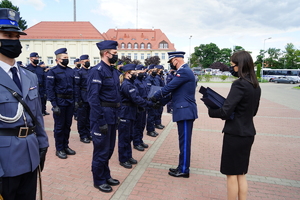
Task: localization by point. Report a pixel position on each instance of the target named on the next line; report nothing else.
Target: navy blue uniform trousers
(139, 126)
(62, 127)
(83, 120)
(125, 132)
(150, 119)
(185, 128)
(104, 145)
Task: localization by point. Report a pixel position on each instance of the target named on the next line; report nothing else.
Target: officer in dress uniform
(81, 103)
(169, 78)
(60, 91)
(76, 68)
(182, 88)
(140, 122)
(104, 99)
(39, 71)
(151, 80)
(23, 140)
(131, 99)
(159, 111)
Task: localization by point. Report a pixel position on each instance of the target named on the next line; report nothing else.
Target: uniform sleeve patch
(96, 81)
(50, 76)
(148, 83)
(132, 90)
(77, 77)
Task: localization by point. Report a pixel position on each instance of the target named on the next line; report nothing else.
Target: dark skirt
(235, 154)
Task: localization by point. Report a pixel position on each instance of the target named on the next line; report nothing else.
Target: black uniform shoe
(91, 138)
(112, 182)
(139, 147)
(46, 113)
(61, 154)
(173, 169)
(156, 133)
(69, 151)
(144, 145)
(126, 164)
(152, 134)
(179, 174)
(159, 126)
(104, 188)
(132, 161)
(85, 140)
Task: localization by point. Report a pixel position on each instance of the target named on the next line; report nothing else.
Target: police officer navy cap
(175, 54)
(120, 63)
(107, 44)
(34, 54)
(9, 21)
(61, 50)
(159, 67)
(128, 67)
(41, 63)
(76, 60)
(84, 57)
(140, 67)
(151, 66)
(19, 62)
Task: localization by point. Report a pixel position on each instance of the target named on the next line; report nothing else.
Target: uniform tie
(16, 77)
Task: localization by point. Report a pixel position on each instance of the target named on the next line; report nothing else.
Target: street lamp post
(190, 51)
(263, 60)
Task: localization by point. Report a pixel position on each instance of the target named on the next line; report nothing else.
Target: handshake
(156, 103)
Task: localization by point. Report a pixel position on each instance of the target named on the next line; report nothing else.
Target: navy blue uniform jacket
(183, 89)
(81, 77)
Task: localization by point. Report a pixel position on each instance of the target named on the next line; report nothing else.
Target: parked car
(285, 80)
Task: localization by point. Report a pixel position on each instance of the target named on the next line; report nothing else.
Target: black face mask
(172, 66)
(87, 64)
(161, 73)
(233, 73)
(65, 62)
(154, 73)
(78, 65)
(10, 48)
(35, 62)
(114, 59)
(133, 77)
(141, 76)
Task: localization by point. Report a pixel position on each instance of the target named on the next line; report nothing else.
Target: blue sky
(226, 23)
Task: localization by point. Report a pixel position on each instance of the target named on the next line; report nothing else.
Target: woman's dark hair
(246, 66)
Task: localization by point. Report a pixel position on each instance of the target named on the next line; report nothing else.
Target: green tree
(238, 48)
(225, 54)
(291, 57)
(152, 60)
(260, 57)
(7, 4)
(207, 54)
(273, 60)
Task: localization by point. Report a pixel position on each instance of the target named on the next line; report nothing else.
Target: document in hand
(164, 100)
(212, 99)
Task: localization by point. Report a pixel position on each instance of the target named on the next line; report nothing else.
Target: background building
(46, 37)
(80, 38)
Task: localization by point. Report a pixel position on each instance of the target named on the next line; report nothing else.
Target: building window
(148, 46)
(96, 60)
(163, 45)
(129, 46)
(129, 55)
(163, 56)
(50, 60)
(142, 46)
(27, 61)
(148, 55)
(135, 56)
(72, 59)
(135, 45)
(27, 47)
(122, 46)
(156, 54)
(142, 56)
(122, 55)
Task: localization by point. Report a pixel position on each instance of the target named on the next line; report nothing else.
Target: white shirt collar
(6, 67)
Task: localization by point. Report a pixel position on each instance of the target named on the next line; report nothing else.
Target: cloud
(205, 18)
(37, 4)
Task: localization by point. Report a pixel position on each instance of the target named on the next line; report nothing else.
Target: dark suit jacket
(243, 100)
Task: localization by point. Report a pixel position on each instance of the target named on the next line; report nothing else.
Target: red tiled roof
(152, 36)
(63, 30)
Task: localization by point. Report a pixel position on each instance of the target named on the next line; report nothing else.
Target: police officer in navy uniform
(39, 71)
(159, 111)
(169, 78)
(60, 91)
(76, 68)
(182, 88)
(23, 142)
(152, 113)
(104, 99)
(81, 103)
(140, 122)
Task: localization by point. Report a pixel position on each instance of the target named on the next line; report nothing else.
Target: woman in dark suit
(243, 101)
